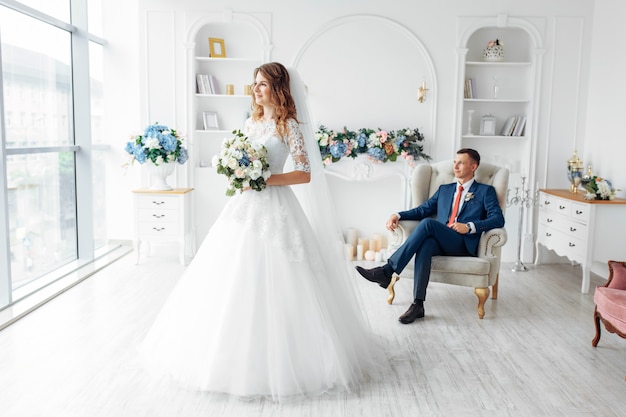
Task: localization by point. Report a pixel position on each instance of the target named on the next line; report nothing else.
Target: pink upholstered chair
(610, 300)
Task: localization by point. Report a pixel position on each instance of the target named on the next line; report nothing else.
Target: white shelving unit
(517, 78)
(503, 90)
(247, 45)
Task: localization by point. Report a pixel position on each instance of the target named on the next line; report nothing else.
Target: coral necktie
(455, 208)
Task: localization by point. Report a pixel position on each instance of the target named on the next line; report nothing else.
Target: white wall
(605, 141)
(563, 107)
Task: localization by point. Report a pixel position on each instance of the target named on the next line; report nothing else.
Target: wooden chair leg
(596, 319)
(482, 294)
(494, 288)
(392, 293)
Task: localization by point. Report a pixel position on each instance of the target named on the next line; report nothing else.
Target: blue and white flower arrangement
(599, 189)
(158, 144)
(243, 162)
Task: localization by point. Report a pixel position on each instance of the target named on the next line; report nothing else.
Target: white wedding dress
(259, 311)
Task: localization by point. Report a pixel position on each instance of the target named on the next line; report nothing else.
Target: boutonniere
(469, 196)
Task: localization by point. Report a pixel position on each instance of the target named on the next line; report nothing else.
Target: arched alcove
(364, 71)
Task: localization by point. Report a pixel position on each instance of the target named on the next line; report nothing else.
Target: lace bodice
(278, 148)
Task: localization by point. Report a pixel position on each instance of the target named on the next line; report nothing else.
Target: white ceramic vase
(159, 174)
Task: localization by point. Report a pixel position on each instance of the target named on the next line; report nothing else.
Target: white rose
(152, 143)
(232, 163)
(215, 161)
(255, 173)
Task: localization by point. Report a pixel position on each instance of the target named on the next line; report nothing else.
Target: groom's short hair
(472, 153)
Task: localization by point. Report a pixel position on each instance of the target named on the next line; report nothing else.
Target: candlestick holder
(525, 198)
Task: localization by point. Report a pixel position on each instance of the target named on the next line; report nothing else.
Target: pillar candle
(350, 252)
(372, 244)
(378, 257)
(364, 243)
(351, 237)
(379, 241)
(370, 255)
(359, 252)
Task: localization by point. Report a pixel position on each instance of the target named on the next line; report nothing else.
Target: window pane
(37, 82)
(100, 149)
(42, 214)
(55, 8)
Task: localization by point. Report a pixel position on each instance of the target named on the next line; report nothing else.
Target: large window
(42, 141)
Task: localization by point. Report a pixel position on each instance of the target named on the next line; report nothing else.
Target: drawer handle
(546, 203)
(571, 245)
(572, 229)
(158, 229)
(579, 212)
(158, 203)
(548, 234)
(549, 220)
(561, 207)
(158, 216)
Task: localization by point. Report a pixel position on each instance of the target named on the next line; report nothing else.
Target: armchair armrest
(489, 241)
(401, 234)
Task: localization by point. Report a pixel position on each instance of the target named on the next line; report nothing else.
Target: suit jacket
(482, 209)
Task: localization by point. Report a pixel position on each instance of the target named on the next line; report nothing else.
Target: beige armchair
(479, 272)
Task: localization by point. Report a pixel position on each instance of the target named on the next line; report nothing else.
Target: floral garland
(599, 189)
(379, 145)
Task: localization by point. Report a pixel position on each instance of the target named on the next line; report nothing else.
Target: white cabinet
(164, 216)
(587, 232)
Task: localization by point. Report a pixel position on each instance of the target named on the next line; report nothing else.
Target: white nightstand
(164, 216)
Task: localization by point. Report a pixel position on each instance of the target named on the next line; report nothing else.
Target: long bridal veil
(316, 201)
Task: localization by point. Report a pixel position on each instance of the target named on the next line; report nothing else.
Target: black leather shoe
(375, 275)
(414, 312)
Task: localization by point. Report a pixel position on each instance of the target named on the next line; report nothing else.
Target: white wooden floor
(530, 356)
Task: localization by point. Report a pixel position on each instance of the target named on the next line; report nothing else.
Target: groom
(464, 209)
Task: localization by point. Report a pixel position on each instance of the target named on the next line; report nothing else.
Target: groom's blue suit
(433, 237)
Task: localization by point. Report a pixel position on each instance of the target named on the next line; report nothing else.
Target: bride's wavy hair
(278, 78)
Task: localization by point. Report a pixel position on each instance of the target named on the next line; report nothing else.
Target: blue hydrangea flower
(399, 140)
(338, 149)
(183, 155)
(361, 139)
(376, 153)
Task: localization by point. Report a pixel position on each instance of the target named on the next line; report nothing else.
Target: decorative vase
(159, 174)
(574, 171)
(494, 52)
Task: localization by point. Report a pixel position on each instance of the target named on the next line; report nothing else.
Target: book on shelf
(519, 126)
(202, 81)
(207, 84)
(469, 88)
(213, 84)
(514, 126)
(509, 125)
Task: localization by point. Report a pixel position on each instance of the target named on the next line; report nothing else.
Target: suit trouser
(430, 238)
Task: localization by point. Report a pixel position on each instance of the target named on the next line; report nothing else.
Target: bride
(267, 306)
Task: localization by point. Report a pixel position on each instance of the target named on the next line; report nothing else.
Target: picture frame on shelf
(217, 48)
(488, 125)
(209, 119)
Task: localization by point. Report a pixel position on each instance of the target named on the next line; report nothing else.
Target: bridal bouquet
(243, 162)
